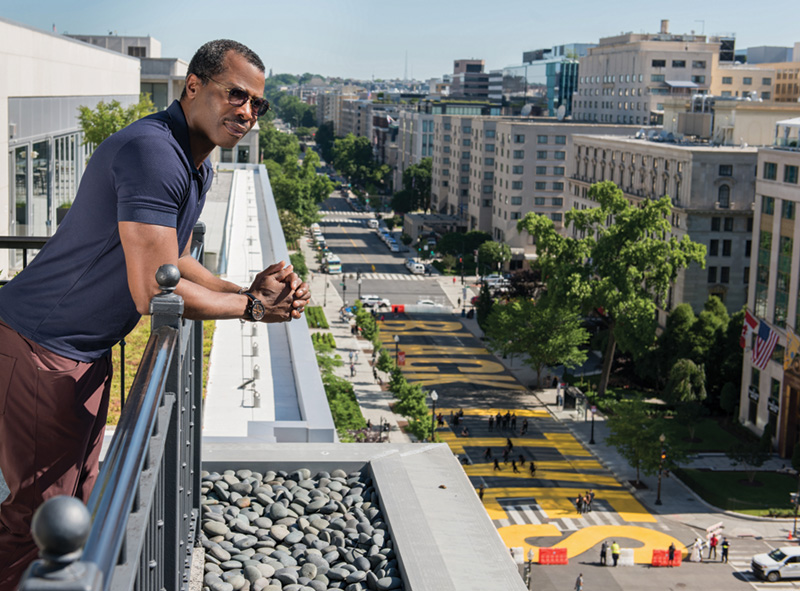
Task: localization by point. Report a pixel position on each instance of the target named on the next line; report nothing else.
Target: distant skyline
(361, 39)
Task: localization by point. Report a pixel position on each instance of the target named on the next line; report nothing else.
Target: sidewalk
(679, 502)
(374, 402)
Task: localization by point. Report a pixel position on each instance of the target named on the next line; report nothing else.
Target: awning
(790, 122)
(682, 84)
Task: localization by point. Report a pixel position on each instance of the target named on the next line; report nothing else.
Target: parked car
(495, 280)
(417, 269)
(429, 303)
(394, 247)
(368, 301)
(781, 563)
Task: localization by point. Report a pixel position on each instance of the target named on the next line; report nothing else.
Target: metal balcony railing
(140, 523)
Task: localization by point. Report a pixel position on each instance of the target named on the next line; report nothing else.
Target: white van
(372, 224)
(417, 268)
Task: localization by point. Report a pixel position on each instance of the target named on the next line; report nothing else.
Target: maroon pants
(52, 418)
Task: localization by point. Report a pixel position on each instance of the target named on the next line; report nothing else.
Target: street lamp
(396, 347)
(591, 438)
(434, 398)
(661, 438)
(359, 288)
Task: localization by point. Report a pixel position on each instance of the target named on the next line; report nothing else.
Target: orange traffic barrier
(398, 309)
(661, 558)
(553, 556)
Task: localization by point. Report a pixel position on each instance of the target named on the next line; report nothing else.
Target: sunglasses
(237, 97)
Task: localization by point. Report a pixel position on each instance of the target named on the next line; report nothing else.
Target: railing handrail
(113, 494)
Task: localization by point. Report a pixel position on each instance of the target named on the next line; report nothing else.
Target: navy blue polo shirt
(73, 298)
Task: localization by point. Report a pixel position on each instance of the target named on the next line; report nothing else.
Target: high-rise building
(469, 80)
(770, 394)
(626, 78)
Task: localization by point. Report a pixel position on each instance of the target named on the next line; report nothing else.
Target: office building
(772, 395)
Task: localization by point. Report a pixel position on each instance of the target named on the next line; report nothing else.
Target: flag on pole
(765, 344)
(750, 324)
(792, 348)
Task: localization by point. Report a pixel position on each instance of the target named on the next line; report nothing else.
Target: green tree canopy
(623, 269)
(417, 184)
(107, 118)
(325, 138)
(492, 255)
(456, 243)
(545, 333)
(352, 156)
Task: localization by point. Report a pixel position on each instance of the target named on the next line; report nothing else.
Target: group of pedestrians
(615, 550)
(696, 549)
(505, 421)
(583, 503)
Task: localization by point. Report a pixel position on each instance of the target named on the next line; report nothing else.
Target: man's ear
(193, 83)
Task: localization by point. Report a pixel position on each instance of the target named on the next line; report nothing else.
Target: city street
(530, 511)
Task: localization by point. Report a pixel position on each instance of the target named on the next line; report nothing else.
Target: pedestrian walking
(671, 553)
(352, 370)
(497, 465)
(356, 357)
(524, 426)
(514, 467)
(533, 468)
(514, 422)
(522, 460)
(487, 455)
(603, 552)
(697, 551)
(509, 444)
(712, 546)
(725, 546)
(591, 498)
(480, 492)
(579, 504)
(615, 552)
(351, 357)
(491, 422)
(505, 455)
(579, 583)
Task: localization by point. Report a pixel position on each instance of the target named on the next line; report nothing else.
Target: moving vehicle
(428, 303)
(417, 268)
(781, 563)
(320, 241)
(495, 280)
(368, 301)
(372, 224)
(332, 264)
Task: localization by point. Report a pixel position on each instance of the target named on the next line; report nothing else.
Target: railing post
(60, 528)
(167, 307)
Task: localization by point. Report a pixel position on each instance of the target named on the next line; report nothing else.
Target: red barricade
(398, 309)
(661, 558)
(553, 556)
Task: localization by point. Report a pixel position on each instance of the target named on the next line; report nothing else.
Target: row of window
(787, 207)
(610, 91)
(770, 172)
(724, 275)
(747, 81)
(662, 63)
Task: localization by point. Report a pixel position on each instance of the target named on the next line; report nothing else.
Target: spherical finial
(168, 277)
(60, 528)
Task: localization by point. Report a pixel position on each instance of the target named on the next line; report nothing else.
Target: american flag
(765, 344)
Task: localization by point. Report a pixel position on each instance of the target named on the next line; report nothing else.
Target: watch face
(257, 311)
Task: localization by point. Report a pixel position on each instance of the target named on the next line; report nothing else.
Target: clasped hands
(281, 291)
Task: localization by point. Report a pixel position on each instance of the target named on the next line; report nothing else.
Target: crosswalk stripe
(569, 525)
(514, 516)
(532, 518)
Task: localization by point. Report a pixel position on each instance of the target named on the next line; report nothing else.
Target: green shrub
(299, 263)
(315, 317)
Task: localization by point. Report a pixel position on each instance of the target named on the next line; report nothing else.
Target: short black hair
(209, 60)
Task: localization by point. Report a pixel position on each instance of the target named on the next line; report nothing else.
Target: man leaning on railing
(138, 201)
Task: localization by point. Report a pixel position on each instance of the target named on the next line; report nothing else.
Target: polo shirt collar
(180, 131)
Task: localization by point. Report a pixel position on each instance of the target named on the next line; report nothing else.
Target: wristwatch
(255, 310)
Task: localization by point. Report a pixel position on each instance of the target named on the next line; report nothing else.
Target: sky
(367, 39)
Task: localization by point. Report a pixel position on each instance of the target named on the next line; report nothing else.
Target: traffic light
(663, 455)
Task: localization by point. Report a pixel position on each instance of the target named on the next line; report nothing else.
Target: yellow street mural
(442, 354)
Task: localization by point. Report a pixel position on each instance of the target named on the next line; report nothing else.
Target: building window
(487, 188)
(790, 174)
(715, 224)
(137, 51)
(656, 77)
(699, 79)
(561, 140)
(516, 201)
(563, 156)
(762, 272)
(519, 138)
(787, 210)
(515, 215)
(727, 80)
(538, 200)
(556, 217)
(465, 168)
(447, 127)
(746, 81)
(724, 196)
(746, 277)
(766, 95)
(768, 205)
(465, 155)
(466, 142)
(540, 186)
(488, 161)
(487, 202)
(516, 185)
(713, 248)
(516, 169)
(766, 82)
(728, 225)
(659, 63)
(558, 186)
(712, 274)
(699, 65)
(466, 130)
(464, 179)
(726, 248)
(678, 63)
(541, 154)
(490, 133)
(558, 201)
(559, 170)
(770, 171)
(747, 246)
(519, 154)
(725, 170)
(541, 139)
(488, 175)
(541, 170)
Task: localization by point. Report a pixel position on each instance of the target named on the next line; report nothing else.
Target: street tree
(107, 118)
(635, 433)
(544, 333)
(292, 225)
(282, 148)
(484, 305)
(752, 456)
(492, 255)
(686, 389)
(325, 138)
(459, 244)
(417, 183)
(624, 265)
(352, 156)
(403, 202)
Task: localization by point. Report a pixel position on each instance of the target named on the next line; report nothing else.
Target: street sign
(593, 409)
(401, 358)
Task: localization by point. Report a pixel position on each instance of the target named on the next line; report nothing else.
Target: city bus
(333, 264)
